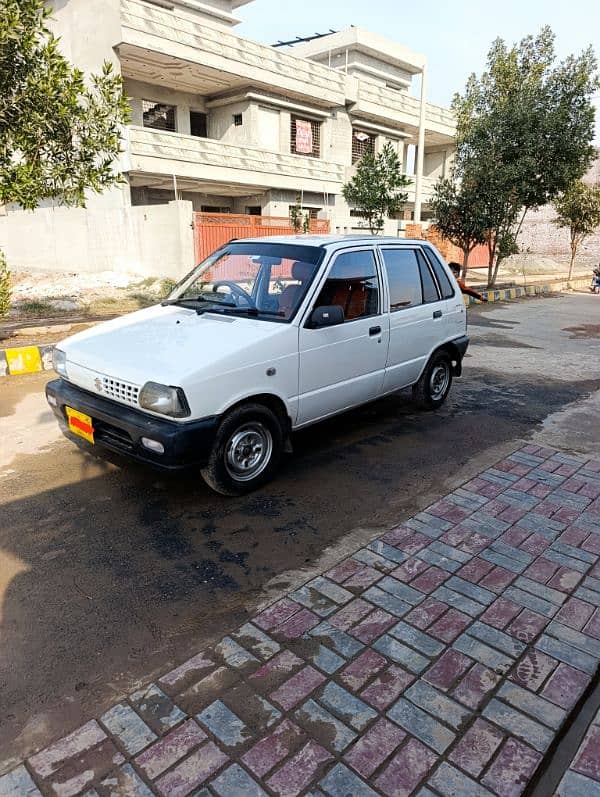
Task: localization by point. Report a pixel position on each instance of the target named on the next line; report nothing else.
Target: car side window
(352, 284)
(430, 291)
(404, 278)
(440, 273)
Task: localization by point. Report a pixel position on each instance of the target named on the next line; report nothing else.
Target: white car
(266, 336)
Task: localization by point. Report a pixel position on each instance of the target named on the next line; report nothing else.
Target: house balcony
(399, 108)
(227, 168)
(158, 46)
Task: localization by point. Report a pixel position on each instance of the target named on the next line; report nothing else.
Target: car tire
(246, 452)
(433, 387)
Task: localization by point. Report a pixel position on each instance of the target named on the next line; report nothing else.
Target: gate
(213, 230)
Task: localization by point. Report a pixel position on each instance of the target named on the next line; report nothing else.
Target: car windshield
(262, 280)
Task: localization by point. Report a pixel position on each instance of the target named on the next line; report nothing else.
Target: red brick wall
(477, 258)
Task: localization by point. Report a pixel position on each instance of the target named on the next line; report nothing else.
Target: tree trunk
(491, 253)
(573, 253)
(465, 263)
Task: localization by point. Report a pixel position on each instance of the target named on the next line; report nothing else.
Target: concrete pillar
(420, 147)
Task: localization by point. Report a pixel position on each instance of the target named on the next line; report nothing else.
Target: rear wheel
(433, 387)
(246, 451)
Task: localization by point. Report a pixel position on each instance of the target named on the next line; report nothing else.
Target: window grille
(158, 115)
(362, 143)
(299, 141)
(238, 119)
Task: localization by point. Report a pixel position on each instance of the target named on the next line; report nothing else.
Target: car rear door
(343, 366)
(416, 314)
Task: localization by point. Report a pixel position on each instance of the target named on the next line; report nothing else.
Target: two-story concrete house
(223, 124)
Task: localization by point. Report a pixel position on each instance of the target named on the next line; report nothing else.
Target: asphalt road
(110, 573)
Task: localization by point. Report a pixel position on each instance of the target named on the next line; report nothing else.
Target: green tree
(459, 215)
(4, 286)
(375, 191)
(59, 133)
(578, 209)
(524, 132)
(300, 219)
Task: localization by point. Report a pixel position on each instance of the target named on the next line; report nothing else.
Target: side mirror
(326, 316)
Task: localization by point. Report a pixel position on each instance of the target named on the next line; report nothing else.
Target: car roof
(329, 240)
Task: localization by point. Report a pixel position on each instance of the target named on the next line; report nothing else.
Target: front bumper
(120, 429)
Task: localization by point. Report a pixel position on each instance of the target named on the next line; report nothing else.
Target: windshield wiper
(253, 311)
(192, 303)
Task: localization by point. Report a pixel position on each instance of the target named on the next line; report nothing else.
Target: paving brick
(326, 660)
(530, 601)
(276, 614)
(77, 773)
(387, 687)
(500, 613)
(593, 627)
(533, 668)
(409, 569)
(254, 710)
(274, 748)
(426, 613)
(540, 590)
(421, 725)
(193, 772)
(128, 728)
(188, 672)
(224, 724)
(450, 782)
(400, 590)
(575, 785)
(432, 557)
(199, 695)
(484, 654)
(75, 744)
(538, 708)
(588, 595)
(384, 600)
(371, 750)
(476, 685)
(323, 726)
(575, 613)
(401, 654)
(535, 544)
(362, 669)
(373, 626)
(505, 562)
(298, 624)
(256, 641)
(344, 570)
(567, 654)
(448, 669)
(406, 770)
(372, 559)
(155, 708)
(124, 781)
(513, 768)
(541, 570)
(587, 760)
(575, 638)
(275, 671)
(476, 748)
(341, 782)
(438, 704)
(451, 625)
(518, 724)
(497, 579)
(527, 625)
(340, 641)
(297, 688)
(363, 578)
(18, 783)
(350, 614)
(497, 639)
(170, 749)
(459, 601)
(387, 551)
(566, 561)
(416, 639)
(234, 655)
(236, 782)
(346, 706)
(476, 593)
(430, 580)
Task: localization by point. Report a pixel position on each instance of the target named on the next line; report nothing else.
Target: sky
(454, 36)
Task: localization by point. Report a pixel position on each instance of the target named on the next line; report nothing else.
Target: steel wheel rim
(248, 451)
(439, 381)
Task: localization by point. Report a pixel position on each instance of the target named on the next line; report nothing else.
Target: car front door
(343, 366)
(416, 314)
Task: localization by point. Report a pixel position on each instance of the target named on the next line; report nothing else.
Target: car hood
(168, 344)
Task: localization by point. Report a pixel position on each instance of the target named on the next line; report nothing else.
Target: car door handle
(437, 314)
(375, 331)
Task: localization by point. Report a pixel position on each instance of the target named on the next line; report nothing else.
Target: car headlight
(59, 362)
(164, 399)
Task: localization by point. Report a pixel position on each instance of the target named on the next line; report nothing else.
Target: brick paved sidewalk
(442, 659)
(582, 779)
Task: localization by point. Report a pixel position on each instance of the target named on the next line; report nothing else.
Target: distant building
(222, 124)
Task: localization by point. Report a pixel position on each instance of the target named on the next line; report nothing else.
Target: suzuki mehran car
(266, 336)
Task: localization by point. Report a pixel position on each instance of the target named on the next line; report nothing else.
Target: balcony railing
(162, 152)
(401, 107)
(158, 29)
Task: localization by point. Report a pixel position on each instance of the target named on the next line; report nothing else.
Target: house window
(305, 137)
(214, 209)
(158, 115)
(362, 143)
(198, 124)
(238, 119)
(253, 210)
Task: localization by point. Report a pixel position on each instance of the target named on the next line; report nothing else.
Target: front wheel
(433, 387)
(246, 451)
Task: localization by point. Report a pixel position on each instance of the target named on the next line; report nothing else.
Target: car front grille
(120, 391)
(112, 436)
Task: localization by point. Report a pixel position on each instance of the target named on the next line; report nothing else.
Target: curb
(31, 359)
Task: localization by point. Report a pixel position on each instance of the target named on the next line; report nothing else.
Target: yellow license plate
(80, 424)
